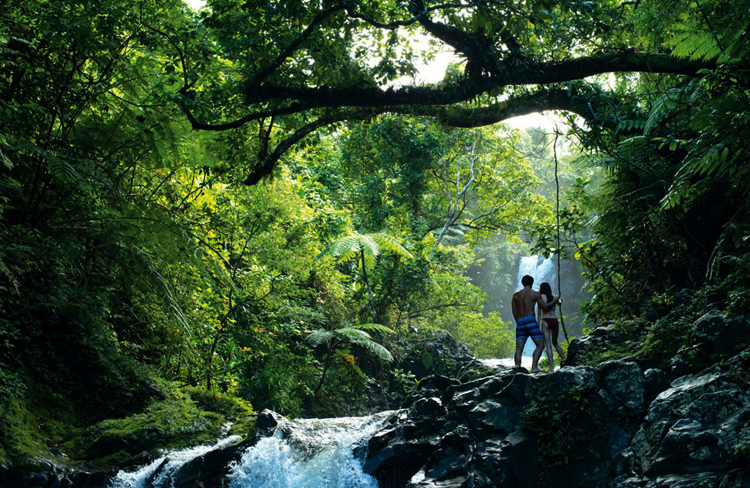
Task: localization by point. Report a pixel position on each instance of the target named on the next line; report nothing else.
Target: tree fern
(349, 247)
(350, 334)
(367, 247)
(318, 337)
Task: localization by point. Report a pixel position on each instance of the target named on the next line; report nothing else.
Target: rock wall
(579, 427)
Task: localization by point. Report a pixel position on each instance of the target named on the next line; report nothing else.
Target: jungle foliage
(180, 191)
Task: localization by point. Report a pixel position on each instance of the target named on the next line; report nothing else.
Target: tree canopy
(308, 65)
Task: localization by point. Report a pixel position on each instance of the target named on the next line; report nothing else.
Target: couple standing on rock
(527, 324)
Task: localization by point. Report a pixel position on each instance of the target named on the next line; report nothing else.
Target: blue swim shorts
(527, 327)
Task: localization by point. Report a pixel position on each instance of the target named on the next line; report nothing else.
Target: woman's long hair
(546, 290)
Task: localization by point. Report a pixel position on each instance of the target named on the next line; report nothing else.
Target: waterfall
(311, 453)
(539, 267)
(159, 473)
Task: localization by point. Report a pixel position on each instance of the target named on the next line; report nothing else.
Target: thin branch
(265, 168)
(405, 23)
(294, 45)
(459, 193)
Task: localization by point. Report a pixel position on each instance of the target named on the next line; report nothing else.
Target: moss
(233, 408)
(626, 337)
(477, 371)
(229, 406)
(23, 436)
(562, 424)
(170, 423)
(176, 418)
(245, 427)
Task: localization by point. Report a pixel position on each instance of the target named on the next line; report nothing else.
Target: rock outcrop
(579, 427)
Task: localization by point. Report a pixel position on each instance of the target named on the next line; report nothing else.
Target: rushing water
(159, 473)
(313, 453)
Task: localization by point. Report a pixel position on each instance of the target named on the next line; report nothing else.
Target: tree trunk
(367, 283)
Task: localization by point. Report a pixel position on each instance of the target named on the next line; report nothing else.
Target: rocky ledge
(612, 426)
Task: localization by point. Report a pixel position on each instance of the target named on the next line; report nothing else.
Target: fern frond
(378, 350)
(354, 335)
(389, 243)
(371, 245)
(363, 339)
(375, 328)
(62, 169)
(663, 106)
(318, 337)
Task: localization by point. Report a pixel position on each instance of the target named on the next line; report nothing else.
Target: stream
(309, 453)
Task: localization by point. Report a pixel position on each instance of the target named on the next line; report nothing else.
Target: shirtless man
(526, 326)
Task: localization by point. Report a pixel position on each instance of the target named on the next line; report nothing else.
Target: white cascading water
(310, 453)
(156, 475)
(539, 267)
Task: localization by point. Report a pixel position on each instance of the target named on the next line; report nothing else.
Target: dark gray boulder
(614, 426)
(692, 430)
(210, 470)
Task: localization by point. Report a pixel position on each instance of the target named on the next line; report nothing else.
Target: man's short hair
(527, 280)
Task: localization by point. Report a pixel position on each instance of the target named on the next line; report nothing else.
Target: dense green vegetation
(233, 204)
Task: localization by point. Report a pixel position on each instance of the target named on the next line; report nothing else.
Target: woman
(550, 325)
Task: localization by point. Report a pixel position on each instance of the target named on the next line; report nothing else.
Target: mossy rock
(171, 423)
(231, 407)
(23, 434)
(245, 427)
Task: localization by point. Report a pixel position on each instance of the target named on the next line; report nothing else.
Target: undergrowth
(554, 423)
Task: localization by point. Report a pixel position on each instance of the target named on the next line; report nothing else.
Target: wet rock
(429, 408)
(622, 428)
(623, 383)
(267, 422)
(738, 478)
(565, 379)
(655, 381)
(436, 353)
(715, 335)
(42, 473)
(394, 465)
(692, 429)
(209, 470)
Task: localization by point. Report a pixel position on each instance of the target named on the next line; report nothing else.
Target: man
(522, 305)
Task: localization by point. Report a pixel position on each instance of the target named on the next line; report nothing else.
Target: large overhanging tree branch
(468, 88)
(295, 83)
(581, 98)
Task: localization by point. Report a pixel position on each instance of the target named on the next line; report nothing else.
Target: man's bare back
(523, 302)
